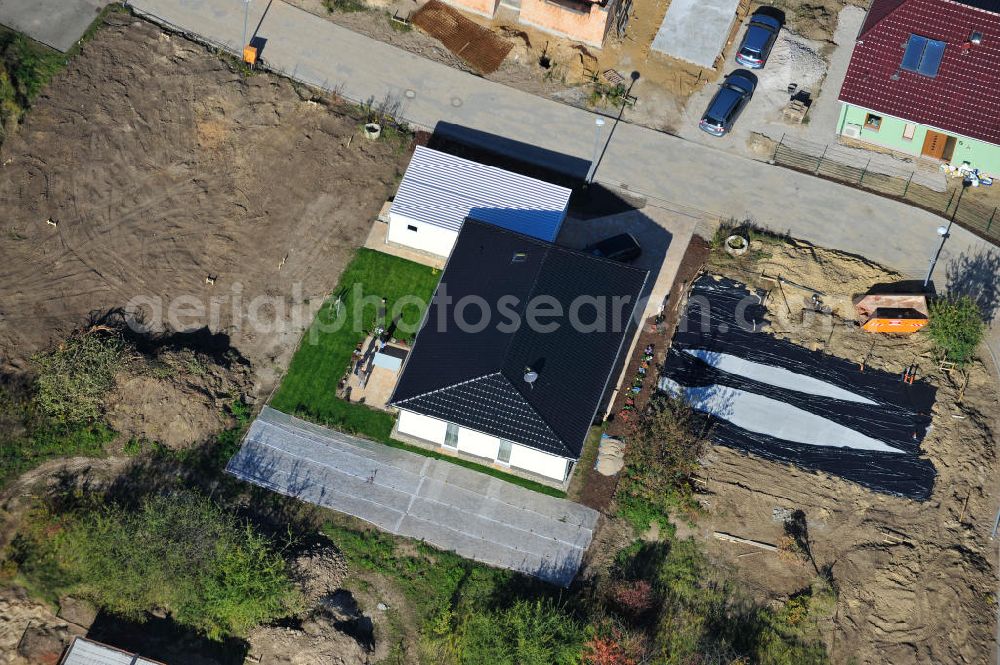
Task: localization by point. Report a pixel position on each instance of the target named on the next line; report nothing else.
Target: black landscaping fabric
(725, 316)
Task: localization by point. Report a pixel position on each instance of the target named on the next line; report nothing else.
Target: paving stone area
(55, 23)
(451, 507)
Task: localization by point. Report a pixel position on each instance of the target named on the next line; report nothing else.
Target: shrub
(612, 647)
(527, 633)
(180, 552)
(74, 379)
(956, 327)
(633, 597)
(660, 461)
(27, 438)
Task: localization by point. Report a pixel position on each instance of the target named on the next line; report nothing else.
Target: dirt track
(160, 166)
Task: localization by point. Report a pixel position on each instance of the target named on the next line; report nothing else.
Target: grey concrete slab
(696, 30)
(55, 23)
(475, 515)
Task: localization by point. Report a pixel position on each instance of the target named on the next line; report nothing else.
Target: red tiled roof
(963, 98)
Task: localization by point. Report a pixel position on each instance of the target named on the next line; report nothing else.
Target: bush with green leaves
(956, 327)
(75, 378)
(661, 458)
(179, 552)
(529, 632)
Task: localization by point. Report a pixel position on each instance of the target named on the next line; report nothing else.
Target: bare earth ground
(916, 581)
(159, 166)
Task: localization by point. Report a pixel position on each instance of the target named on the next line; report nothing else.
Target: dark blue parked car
(758, 40)
(728, 103)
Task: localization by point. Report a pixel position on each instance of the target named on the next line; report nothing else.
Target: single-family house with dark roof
(519, 351)
(924, 79)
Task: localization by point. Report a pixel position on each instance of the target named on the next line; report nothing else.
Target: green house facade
(908, 137)
(924, 80)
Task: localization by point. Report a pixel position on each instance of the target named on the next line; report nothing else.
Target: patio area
(374, 372)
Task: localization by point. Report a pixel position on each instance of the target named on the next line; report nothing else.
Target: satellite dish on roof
(530, 375)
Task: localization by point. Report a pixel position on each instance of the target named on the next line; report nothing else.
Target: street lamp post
(598, 126)
(600, 123)
(246, 21)
(945, 232)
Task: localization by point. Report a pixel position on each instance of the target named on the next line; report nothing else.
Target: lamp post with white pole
(600, 123)
(246, 22)
(945, 232)
(598, 126)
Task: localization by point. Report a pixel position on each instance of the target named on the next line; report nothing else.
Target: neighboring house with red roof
(924, 79)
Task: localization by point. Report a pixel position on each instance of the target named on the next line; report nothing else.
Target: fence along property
(844, 165)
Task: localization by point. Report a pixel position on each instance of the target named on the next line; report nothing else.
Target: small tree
(956, 327)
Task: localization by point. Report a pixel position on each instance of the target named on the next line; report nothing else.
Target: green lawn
(324, 355)
(309, 389)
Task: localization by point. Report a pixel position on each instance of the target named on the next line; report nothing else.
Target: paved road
(455, 508)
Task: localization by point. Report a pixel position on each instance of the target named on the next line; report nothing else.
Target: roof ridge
(865, 28)
(542, 420)
(513, 387)
(443, 388)
(514, 335)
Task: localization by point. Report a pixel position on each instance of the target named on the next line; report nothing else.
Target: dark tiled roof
(963, 98)
(476, 378)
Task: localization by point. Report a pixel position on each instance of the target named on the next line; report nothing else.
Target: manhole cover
(456, 102)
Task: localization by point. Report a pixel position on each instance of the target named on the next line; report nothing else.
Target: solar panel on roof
(914, 51)
(931, 61)
(923, 55)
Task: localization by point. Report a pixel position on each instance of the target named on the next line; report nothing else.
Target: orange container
(893, 326)
(250, 55)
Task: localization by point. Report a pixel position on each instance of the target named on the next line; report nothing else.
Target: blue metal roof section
(442, 190)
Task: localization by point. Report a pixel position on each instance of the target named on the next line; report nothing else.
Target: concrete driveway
(55, 23)
(451, 507)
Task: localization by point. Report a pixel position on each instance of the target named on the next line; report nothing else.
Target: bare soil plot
(915, 579)
(152, 168)
(483, 50)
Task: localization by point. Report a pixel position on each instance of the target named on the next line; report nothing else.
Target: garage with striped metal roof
(439, 191)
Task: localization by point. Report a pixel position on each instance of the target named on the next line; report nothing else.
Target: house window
(503, 457)
(923, 56)
(451, 436)
(873, 122)
(908, 131)
(411, 227)
(572, 5)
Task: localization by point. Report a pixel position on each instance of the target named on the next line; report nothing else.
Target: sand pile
(794, 59)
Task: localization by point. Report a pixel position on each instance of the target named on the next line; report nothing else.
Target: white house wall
(551, 466)
(427, 238)
(423, 427)
(478, 444)
(482, 445)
